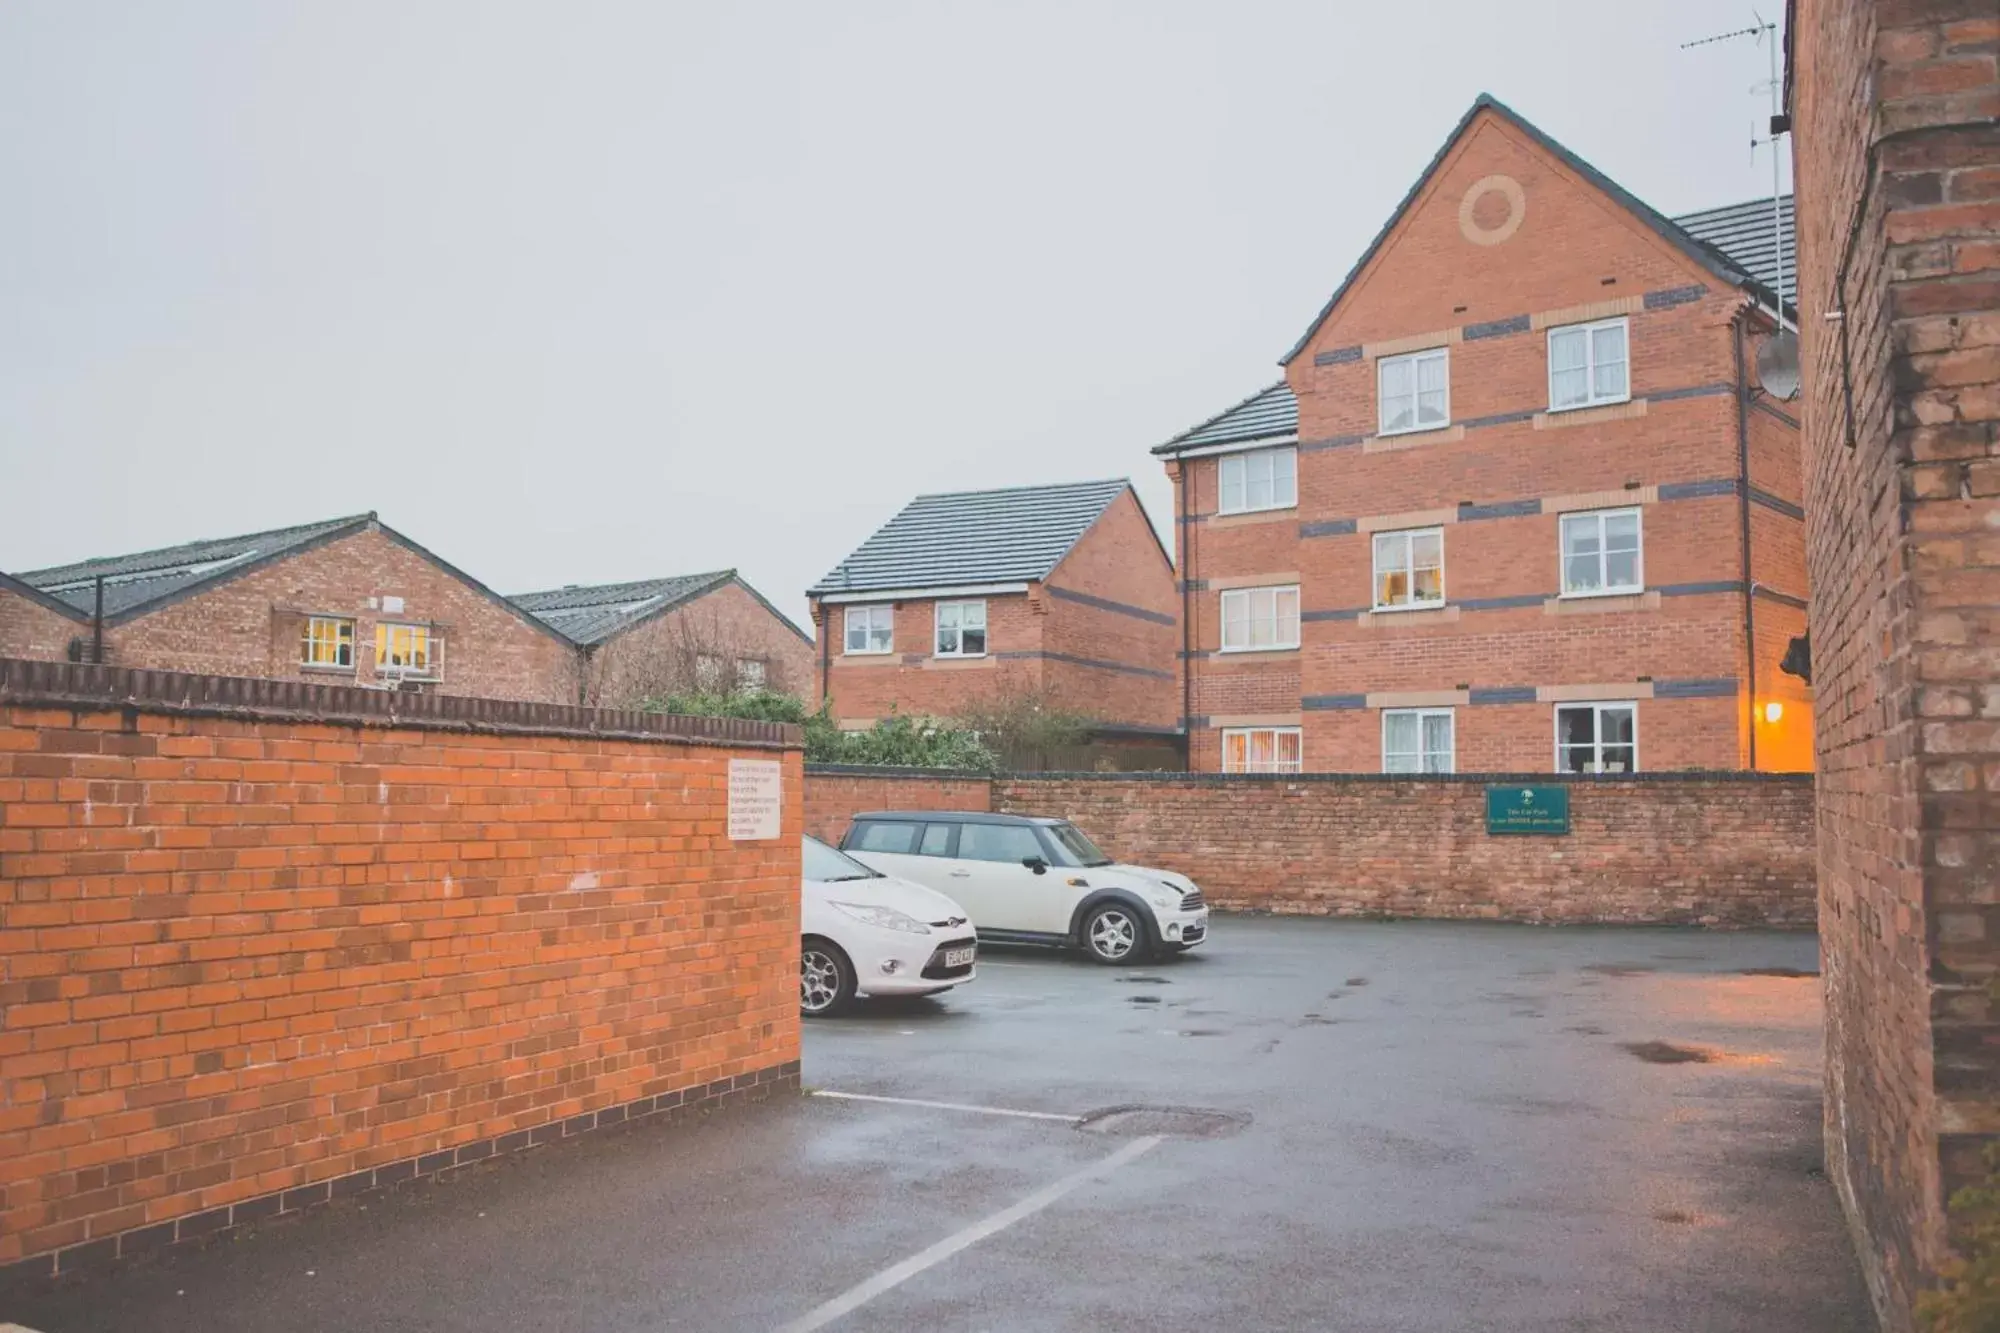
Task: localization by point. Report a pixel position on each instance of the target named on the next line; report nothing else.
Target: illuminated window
(1409, 569)
(1262, 750)
(328, 642)
(406, 650)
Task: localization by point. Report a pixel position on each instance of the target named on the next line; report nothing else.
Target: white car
(1035, 881)
(863, 932)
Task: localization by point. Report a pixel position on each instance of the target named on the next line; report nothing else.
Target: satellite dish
(1778, 365)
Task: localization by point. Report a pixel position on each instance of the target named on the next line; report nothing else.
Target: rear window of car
(937, 840)
(884, 837)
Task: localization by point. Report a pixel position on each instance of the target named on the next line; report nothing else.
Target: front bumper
(1183, 930)
(892, 963)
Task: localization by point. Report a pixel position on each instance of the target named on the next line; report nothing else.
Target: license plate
(959, 957)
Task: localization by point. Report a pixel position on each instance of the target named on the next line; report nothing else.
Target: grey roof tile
(1269, 413)
(1743, 232)
(132, 582)
(593, 614)
(1006, 536)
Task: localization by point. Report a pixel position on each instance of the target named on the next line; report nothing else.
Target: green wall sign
(1519, 809)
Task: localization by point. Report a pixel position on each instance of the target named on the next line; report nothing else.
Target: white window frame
(433, 667)
(868, 613)
(1409, 535)
(334, 625)
(1276, 592)
(1450, 715)
(1597, 732)
(1606, 588)
(938, 628)
(1414, 360)
(1243, 464)
(1276, 765)
(1592, 398)
(751, 674)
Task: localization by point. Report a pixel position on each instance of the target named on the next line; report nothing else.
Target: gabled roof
(591, 615)
(1743, 232)
(1707, 256)
(1268, 414)
(8, 583)
(135, 582)
(975, 537)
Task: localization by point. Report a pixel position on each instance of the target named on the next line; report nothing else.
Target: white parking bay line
(894, 1276)
(946, 1106)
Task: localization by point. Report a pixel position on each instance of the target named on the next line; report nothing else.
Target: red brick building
(1518, 504)
(347, 601)
(1056, 592)
(34, 624)
(657, 637)
(1896, 140)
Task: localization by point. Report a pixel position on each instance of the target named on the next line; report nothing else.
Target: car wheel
(826, 978)
(1114, 935)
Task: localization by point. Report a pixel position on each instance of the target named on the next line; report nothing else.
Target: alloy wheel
(1113, 934)
(819, 981)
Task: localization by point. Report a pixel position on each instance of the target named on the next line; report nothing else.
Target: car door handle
(961, 874)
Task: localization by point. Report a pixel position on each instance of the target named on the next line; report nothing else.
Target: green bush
(895, 740)
(1969, 1302)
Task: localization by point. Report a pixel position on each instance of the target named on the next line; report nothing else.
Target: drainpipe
(97, 625)
(1743, 527)
(825, 628)
(1185, 544)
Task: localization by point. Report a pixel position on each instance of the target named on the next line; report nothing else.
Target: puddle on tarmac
(1145, 981)
(1667, 1053)
(1776, 972)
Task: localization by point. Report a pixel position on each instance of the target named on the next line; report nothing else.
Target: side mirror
(1036, 864)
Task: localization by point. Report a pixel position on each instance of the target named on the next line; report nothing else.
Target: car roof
(957, 817)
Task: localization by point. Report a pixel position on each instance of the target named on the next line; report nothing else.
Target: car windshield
(822, 863)
(1075, 846)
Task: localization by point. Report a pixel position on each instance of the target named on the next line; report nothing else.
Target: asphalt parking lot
(1351, 1126)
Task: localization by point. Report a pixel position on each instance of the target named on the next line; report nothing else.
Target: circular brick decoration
(1492, 210)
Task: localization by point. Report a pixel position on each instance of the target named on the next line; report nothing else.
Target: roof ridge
(29, 575)
(1016, 490)
(706, 576)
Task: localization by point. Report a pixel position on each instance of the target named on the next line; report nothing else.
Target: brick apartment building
(1061, 592)
(1518, 503)
(698, 631)
(353, 601)
(1896, 142)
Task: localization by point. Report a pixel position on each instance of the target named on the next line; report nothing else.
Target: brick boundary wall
(1718, 849)
(265, 944)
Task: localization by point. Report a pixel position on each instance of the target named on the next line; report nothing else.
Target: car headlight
(888, 918)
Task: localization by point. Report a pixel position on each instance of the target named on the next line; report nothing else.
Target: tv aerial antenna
(1778, 359)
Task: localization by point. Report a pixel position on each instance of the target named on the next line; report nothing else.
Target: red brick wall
(29, 629)
(729, 622)
(1721, 850)
(251, 625)
(1575, 256)
(249, 953)
(1118, 663)
(1896, 146)
(834, 797)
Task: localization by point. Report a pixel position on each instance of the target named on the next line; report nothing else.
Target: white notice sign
(756, 799)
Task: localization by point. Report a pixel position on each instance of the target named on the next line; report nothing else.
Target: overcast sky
(588, 291)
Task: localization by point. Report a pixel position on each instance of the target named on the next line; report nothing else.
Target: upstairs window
(749, 674)
(1260, 479)
(961, 629)
(1414, 391)
(1409, 569)
(328, 642)
(1262, 750)
(1600, 553)
(1417, 740)
(1587, 365)
(707, 672)
(1597, 738)
(1260, 619)
(406, 650)
(870, 629)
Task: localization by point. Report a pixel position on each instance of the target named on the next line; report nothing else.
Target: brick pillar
(1897, 152)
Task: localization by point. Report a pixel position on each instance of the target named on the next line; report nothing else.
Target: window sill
(1601, 592)
(1257, 652)
(872, 652)
(1585, 407)
(1261, 509)
(1408, 607)
(1426, 429)
(958, 657)
(320, 669)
